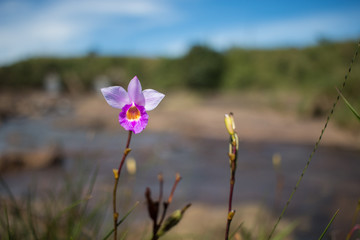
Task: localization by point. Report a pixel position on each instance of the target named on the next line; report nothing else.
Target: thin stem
(356, 213)
(177, 180)
(155, 237)
(117, 176)
(329, 224)
(114, 208)
(166, 204)
(230, 209)
(356, 227)
(316, 144)
(126, 152)
(161, 183)
(232, 183)
(157, 226)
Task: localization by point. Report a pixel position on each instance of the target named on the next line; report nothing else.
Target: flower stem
(156, 226)
(232, 183)
(229, 211)
(117, 176)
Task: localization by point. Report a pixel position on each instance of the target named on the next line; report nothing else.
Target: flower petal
(135, 93)
(152, 99)
(116, 96)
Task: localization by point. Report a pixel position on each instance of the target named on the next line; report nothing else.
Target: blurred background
(274, 64)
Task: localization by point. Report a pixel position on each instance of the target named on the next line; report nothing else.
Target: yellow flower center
(133, 113)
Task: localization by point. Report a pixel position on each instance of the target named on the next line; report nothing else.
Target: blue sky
(167, 28)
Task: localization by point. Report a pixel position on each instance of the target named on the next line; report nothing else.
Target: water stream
(332, 181)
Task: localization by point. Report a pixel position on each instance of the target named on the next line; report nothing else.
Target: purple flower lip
(133, 104)
(133, 118)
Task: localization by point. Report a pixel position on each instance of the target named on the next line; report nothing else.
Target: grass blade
(124, 236)
(286, 231)
(30, 217)
(235, 231)
(349, 105)
(71, 206)
(7, 224)
(11, 196)
(327, 227)
(316, 145)
(121, 220)
(80, 223)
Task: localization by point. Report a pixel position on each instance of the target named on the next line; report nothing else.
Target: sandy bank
(192, 116)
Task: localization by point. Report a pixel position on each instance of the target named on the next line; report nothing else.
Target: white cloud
(298, 31)
(149, 27)
(175, 48)
(53, 28)
(294, 31)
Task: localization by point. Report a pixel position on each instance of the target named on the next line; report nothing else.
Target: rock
(31, 159)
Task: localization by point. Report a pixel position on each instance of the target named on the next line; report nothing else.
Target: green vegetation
(202, 68)
(60, 212)
(313, 72)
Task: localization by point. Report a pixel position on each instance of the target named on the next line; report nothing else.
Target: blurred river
(331, 182)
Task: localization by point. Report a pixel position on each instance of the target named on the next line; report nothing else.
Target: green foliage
(59, 213)
(203, 68)
(318, 68)
(312, 72)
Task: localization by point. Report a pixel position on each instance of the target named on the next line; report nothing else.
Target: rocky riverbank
(185, 114)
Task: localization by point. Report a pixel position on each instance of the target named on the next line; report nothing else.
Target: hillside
(313, 73)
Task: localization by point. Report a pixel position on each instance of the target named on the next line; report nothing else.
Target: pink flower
(133, 104)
